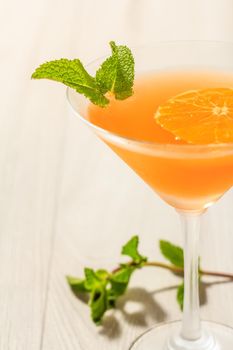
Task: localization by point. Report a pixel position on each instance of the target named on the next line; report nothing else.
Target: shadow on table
(147, 308)
(138, 307)
(204, 286)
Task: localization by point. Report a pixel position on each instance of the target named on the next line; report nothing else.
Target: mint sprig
(115, 75)
(104, 288)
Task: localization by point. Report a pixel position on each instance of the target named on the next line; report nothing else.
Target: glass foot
(167, 337)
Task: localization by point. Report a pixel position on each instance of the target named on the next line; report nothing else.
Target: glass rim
(177, 147)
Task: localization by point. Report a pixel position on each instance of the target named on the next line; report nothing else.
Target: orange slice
(199, 116)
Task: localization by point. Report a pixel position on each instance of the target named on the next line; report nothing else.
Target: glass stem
(191, 324)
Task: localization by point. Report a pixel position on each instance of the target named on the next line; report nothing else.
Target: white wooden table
(66, 201)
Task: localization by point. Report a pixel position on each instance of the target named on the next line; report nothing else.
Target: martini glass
(207, 168)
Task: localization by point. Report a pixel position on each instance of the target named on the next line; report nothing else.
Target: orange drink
(190, 179)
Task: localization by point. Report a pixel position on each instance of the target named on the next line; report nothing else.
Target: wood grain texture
(31, 148)
(66, 201)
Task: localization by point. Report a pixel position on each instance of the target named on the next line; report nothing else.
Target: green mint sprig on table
(115, 75)
(103, 288)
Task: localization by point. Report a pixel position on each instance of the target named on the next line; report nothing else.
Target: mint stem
(178, 270)
(216, 274)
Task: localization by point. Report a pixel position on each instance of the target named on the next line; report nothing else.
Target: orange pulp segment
(202, 116)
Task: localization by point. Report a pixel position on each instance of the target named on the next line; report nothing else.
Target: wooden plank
(31, 149)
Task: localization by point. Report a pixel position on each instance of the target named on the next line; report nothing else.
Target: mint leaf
(73, 74)
(180, 296)
(172, 253)
(98, 303)
(116, 73)
(106, 74)
(97, 282)
(120, 280)
(77, 284)
(131, 249)
(123, 275)
(95, 285)
(102, 274)
(92, 279)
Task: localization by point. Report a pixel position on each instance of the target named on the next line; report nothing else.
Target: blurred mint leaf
(180, 296)
(116, 73)
(96, 282)
(131, 249)
(98, 303)
(78, 285)
(102, 274)
(92, 279)
(172, 253)
(120, 280)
